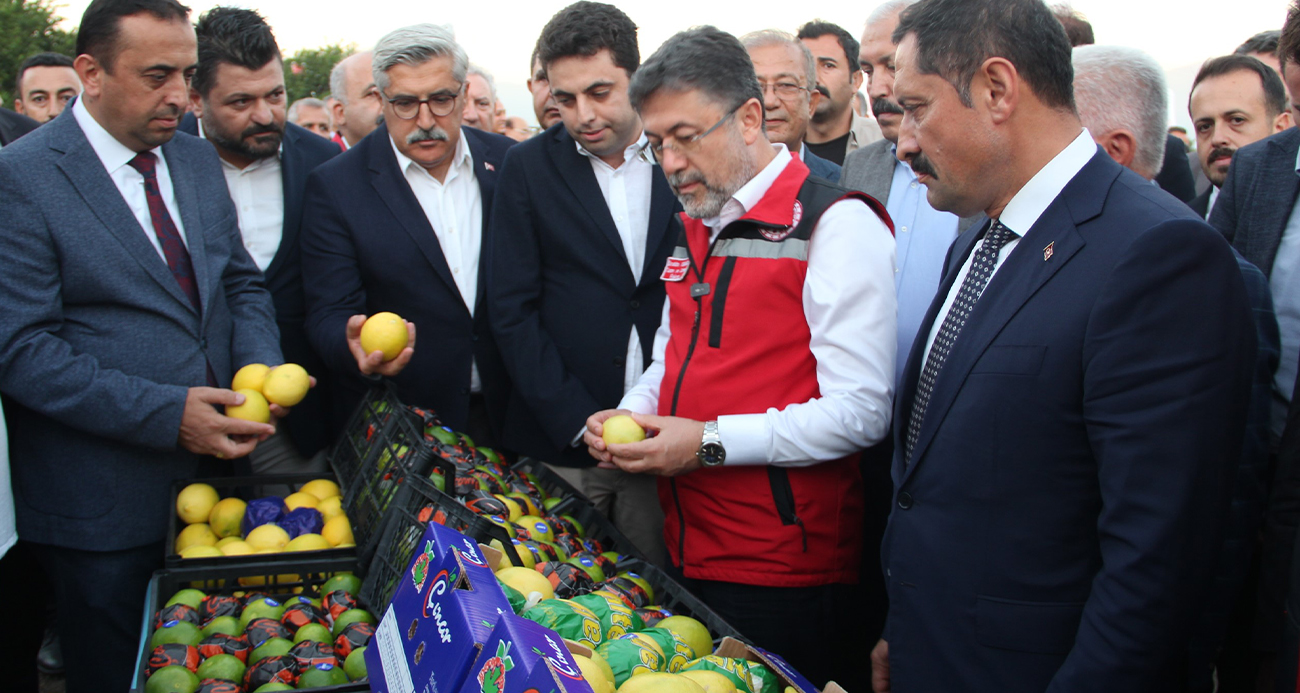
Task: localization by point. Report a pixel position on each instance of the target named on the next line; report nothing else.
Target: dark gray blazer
(98, 344)
(871, 170)
(1256, 199)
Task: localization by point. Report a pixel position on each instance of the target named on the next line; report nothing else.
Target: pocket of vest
(720, 302)
(783, 497)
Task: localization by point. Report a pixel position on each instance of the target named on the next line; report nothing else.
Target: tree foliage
(307, 72)
(27, 27)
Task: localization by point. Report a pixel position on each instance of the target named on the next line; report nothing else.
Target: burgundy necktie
(169, 237)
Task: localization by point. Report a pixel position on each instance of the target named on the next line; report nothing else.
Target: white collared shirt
(454, 208)
(1214, 197)
(116, 158)
(626, 190)
(849, 302)
(1021, 213)
(258, 193)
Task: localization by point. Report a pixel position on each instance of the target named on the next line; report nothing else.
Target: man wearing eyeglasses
(772, 367)
(788, 77)
(397, 223)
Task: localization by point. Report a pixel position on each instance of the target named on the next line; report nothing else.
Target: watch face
(712, 454)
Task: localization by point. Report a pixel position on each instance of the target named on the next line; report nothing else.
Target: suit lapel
(487, 162)
(576, 171)
(187, 201)
(662, 206)
(1270, 217)
(291, 171)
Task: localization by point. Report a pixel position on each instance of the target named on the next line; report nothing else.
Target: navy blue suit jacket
(822, 168)
(563, 298)
(367, 247)
(300, 153)
(99, 344)
(1257, 197)
(1063, 510)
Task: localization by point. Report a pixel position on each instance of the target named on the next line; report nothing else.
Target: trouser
(630, 501)
(277, 455)
(23, 584)
(100, 598)
(813, 628)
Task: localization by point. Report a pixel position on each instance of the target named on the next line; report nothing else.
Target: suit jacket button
(635, 304)
(905, 500)
(619, 361)
(464, 391)
(203, 344)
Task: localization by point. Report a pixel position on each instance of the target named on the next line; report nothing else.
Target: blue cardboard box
(790, 677)
(523, 656)
(441, 614)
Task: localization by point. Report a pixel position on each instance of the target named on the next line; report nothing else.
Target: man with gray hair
(788, 77)
(772, 368)
(1121, 96)
(481, 100)
(356, 103)
(313, 115)
(397, 223)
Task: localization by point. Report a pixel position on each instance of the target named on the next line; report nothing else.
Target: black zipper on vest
(783, 496)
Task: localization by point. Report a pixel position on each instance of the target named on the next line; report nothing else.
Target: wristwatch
(711, 452)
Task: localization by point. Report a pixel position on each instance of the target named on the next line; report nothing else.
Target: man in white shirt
(397, 223)
(772, 368)
(581, 226)
(238, 94)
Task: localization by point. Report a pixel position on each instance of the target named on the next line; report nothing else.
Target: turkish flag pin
(1047, 252)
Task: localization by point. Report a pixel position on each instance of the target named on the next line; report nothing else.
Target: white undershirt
(258, 193)
(116, 158)
(850, 305)
(454, 208)
(1020, 215)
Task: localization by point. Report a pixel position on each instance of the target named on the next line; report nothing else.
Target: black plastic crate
(419, 502)
(594, 523)
(672, 596)
(250, 488)
(310, 574)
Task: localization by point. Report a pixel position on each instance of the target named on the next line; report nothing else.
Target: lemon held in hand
(384, 332)
(620, 428)
(286, 385)
(250, 377)
(254, 408)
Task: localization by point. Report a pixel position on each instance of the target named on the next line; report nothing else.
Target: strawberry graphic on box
(492, 677)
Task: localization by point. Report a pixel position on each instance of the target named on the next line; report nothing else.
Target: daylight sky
(499, 34)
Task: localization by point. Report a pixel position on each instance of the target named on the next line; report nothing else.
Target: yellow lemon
(384, 332)
(201, 551)
(267, 537)
(321, 488)
(621, 429)
(226, 516)
(250, 377)
(308, 542)
(643, 681)
(330, 507)
(223, 543)
(711, 681)
(238, 547)
(338, 531)
(254, 408)
(194, 503)
(301, 500)
(198, 534)
(286, 385)
(527, 581)
(594, 675)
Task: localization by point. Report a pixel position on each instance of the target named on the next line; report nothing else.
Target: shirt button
(914, 184)
(456, 271)
(904, 229)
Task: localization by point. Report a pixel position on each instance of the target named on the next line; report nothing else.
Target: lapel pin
(1047, 252)
(489, 166)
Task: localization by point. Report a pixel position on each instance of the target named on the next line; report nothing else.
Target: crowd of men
(990, 374)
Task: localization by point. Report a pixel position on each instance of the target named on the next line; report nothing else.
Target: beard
(267, 145)
(714, 195)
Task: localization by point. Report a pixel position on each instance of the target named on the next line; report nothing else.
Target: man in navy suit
(1074, 405)
(128, 299)
(399, 223)
(238, 92)
(581, 228)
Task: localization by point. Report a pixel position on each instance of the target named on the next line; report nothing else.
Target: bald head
(357, 104)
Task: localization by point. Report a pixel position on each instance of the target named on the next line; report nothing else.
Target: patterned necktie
(981, 269)
(178, 258)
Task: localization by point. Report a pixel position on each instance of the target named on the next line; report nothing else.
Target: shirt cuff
(577, 440)
(745, 437)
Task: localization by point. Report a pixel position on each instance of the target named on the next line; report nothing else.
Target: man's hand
(206, 431)
(668, 450)
(592, 436)
(374, 363)
(880, 667)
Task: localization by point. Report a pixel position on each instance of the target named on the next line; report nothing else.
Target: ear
(1121, 145)
(855, 78)
(996, 85)
(750, 117)
(196, 103)
(1280, 123)
(814, 100)
(91, 74)
(18, 106)
(336, 111)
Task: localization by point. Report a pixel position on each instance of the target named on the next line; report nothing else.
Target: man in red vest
(772, 368)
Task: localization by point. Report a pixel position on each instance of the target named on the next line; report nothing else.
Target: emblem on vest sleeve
(676, 269)
(775, 235)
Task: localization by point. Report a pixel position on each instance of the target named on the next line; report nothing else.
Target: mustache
(881, 105)
(433, 134)
(268, 129)
(677, 180)
(1221, 152)
(921, 165)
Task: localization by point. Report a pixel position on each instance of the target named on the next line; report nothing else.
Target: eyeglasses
(408, 107)
(785, 91)
(653, 153)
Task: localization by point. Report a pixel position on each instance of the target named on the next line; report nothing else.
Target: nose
(177, 92)
(469, 115)
(671, 161)
(907, 144)
(261, 112)
(424, 117)
(881, 84)
(586, 113)
(770, 102)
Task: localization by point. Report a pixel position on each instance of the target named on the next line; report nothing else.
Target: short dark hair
(1264, 42)
(1077, 27)
(101, 23)
(1288, 44)
(39, 60)
(955, 37)
(818, 28)
(232, 36)
(585, 28)
(1274, 91)
(704, 58)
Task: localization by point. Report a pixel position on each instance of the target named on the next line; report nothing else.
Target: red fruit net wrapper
(337, 602)
(283, 669)
(175, 612)
(299, 614)
(354, 635)
(260, 630)
(218, 686)
(215, 605)
(309, 653)
(173, 654)
(220, 643)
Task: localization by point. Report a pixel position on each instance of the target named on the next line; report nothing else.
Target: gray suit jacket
(98, 344)
(871, 170)
(1256, 199)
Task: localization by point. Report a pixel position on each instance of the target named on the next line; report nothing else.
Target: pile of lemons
(213, 524)
(262, 386)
